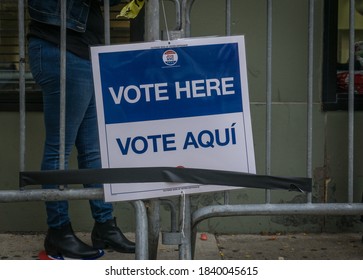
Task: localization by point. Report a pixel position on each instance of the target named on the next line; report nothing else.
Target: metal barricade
(190, 220)
(22, 195)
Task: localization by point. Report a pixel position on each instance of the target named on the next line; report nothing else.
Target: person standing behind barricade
(85, 27)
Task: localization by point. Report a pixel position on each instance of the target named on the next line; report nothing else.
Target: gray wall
(289, 121)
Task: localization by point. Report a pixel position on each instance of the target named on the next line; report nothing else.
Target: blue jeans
(81, 128)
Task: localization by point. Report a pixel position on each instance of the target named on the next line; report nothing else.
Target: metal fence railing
(147, 225)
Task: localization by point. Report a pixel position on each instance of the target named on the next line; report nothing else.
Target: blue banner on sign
(155, 84)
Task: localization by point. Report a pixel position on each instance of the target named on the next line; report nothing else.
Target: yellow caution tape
(132, 9)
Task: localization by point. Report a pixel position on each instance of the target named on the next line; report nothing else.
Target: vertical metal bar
(62, 116)
(268, 94)
(228, 33)
(193, 236)
(185, 19)
(152, 33)
(152, 25)
(351, 101)
(153, 211)
(185, 248)
(141, 234)
(21, 39)
(228, 17)
(186, 11)
(310, 92)
(106, 12)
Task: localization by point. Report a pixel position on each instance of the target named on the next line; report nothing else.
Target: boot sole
(101, 244)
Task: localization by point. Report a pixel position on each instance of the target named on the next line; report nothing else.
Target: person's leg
(105, 232)
(44, 63)
(88, 148)
(44, 60)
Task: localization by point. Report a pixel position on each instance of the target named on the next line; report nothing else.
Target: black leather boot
(64, 243)
(108, 234)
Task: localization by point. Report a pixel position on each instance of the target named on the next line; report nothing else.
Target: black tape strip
(164, 174)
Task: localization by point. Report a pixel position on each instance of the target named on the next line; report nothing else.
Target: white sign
(180, 103)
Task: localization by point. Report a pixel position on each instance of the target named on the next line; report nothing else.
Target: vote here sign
(168, 104)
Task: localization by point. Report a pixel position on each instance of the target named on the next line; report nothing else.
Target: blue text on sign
(166, 142)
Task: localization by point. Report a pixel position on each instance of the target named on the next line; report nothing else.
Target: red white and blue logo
(170, 57)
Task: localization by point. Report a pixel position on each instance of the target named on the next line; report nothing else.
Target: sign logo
(170, 57)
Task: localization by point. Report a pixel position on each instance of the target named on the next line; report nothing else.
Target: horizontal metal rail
(276, 209)
(7, 196)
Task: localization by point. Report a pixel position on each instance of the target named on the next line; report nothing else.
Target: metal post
(310, 93)
(62, 116)
(141, 234)
(153, 211)
(152, 25)
(228, 33)
(268, 94)
(106, 14)
(21, 39)
(351, 101)
(228, 17)
(185, 248)
(152, 33)
(186, 10)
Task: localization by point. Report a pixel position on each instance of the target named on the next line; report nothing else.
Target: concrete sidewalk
(300, 246)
